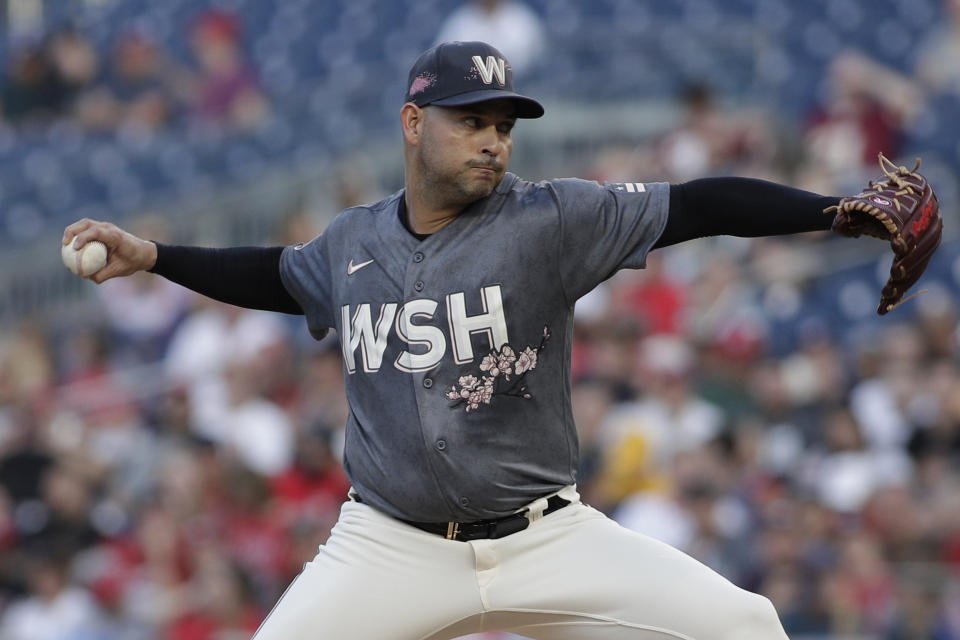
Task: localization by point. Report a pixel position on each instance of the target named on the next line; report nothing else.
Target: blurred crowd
(168, 463)
(167, 468)
(136, 84)
(825, 478)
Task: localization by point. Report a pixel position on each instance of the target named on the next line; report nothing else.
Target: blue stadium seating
(334, 71)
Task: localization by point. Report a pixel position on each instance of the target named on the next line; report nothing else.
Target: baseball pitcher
(453, 301)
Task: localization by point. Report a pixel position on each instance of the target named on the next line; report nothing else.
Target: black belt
(484, 529)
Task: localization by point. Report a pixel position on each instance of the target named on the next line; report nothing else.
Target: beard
(457, 185)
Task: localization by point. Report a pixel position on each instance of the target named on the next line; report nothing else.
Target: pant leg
(577, 574)
(376, 579)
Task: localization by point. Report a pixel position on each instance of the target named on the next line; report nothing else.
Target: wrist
(151, 254)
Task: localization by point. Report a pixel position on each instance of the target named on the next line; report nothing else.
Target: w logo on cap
(492, 66)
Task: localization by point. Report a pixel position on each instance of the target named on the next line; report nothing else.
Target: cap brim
(526, 107)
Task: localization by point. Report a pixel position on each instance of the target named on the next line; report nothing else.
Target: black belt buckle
(453, 530)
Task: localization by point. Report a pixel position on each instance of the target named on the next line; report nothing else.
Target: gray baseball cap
(453, 74)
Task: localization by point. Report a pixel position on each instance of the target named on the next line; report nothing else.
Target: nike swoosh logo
(353, 268)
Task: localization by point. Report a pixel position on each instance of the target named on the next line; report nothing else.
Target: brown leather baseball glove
(902, 208)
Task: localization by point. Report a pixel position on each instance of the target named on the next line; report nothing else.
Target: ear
(411, 120)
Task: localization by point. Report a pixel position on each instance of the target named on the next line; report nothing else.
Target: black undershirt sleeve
(243, 276)
(743, 207)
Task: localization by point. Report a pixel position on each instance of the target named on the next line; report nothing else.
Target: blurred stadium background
(167, 464)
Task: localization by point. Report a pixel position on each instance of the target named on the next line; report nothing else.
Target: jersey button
(418, 257)
(418, 285)
(441, 445)
(464, 502)
(427, 383)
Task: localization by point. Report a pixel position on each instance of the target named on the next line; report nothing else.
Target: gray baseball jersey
(456, 348)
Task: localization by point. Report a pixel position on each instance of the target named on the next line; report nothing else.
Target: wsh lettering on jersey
(360, 331)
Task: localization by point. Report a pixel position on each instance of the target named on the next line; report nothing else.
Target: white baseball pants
(572, 574)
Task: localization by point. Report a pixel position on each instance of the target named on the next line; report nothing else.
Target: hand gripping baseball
(126, 253)
(902, 208)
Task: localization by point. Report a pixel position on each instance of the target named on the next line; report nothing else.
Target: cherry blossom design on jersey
(503, 373)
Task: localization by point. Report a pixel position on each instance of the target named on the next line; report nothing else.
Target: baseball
(88, 260)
